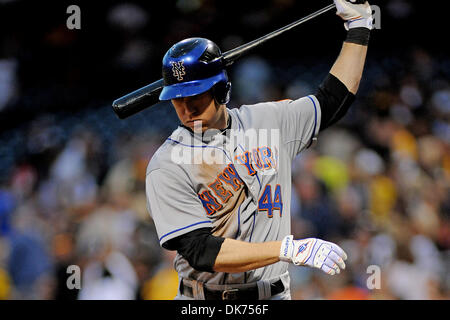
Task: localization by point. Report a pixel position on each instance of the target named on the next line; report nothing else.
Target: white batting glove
(312, 252)
(356, 13)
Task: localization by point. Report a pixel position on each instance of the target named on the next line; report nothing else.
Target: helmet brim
(190, 88)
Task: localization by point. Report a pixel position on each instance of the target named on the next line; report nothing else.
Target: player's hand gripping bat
(147, 96)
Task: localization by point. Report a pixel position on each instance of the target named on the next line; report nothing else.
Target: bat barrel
(138, 100)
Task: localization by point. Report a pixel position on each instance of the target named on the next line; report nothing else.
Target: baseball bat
(147, 96)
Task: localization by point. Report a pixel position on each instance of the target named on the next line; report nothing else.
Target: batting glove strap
(287, 248)
(356, 13)
(359, 23)
(313, 252)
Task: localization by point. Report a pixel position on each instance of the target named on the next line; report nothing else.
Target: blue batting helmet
(193, 66)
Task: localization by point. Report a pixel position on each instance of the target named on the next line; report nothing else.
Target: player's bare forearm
(349, 66)
(239, 256)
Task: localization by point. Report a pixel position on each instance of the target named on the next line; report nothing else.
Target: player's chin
(197, 124)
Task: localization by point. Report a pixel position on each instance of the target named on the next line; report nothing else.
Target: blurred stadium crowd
(72, 176)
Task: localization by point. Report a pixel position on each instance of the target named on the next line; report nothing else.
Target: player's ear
(221, 92)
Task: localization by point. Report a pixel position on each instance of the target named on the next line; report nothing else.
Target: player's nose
(190, 109)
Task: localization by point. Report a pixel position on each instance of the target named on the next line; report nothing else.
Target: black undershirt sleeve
(199, 247)
(334, 99)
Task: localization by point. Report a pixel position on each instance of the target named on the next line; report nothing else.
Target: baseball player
(219, 187)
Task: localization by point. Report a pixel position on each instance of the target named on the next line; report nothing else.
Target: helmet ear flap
(222, 92)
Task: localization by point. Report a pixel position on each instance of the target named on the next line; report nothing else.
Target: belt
(250, 293)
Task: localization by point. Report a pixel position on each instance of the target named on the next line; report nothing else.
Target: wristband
(358, 35)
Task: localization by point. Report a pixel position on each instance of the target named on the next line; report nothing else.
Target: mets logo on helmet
(178, 70)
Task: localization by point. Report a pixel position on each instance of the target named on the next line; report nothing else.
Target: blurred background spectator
(72, 175)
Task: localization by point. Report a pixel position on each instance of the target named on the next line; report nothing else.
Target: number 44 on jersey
(268, 203)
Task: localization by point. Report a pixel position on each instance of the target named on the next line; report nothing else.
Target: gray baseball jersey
(237, 182)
